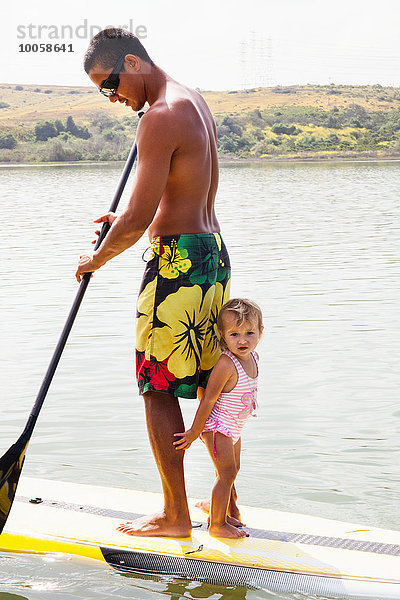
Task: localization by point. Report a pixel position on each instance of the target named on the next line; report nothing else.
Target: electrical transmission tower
(256, 61)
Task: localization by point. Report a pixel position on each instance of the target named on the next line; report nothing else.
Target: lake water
(316, 245)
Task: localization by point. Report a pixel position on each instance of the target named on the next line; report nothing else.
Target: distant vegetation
(298, 130)
(102, 139)
(7, 140)
(281, 122)
(50, 129)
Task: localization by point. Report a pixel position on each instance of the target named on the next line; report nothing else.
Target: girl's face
(240, 339)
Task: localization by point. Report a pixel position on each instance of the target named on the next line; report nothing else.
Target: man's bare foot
(155, 526)
(227, 531)
(232, 519)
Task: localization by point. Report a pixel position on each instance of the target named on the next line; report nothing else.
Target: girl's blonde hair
(244, 310)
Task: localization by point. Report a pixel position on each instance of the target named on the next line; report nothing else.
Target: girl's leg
(204, 505)
(233, 509)
(225, 465)
(233, 517)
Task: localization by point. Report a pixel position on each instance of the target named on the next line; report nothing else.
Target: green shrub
(75, 130)
(59, 125)
(45, 130)
(227, 145)
(109, 135)
(7, 140)
(282, 128)
(8, 156)
(102, 120)
(264, 147)
(283, 90)
(57, 152)
(232, 125)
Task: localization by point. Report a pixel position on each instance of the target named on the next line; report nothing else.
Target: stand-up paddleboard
(285, 552)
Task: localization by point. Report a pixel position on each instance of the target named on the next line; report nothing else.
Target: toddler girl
(228, 401)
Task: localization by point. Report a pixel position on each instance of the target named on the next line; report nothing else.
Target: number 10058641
(45, 48)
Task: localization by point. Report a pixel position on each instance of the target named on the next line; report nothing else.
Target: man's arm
(155, 142)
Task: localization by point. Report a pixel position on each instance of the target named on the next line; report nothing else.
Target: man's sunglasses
(110, 85)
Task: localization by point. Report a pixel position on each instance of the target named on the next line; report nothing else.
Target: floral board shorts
(185, 283)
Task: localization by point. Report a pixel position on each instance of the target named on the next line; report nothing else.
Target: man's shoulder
(158, 113)
(176, 116)
(176, 106)
(155, 123)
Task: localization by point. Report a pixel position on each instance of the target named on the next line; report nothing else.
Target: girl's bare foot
(235, 522)
(204, 505)
(232, 519)
(227, 531)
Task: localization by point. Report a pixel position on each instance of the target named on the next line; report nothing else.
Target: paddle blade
(10, 470)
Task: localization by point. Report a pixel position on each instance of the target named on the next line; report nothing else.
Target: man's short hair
(109, 45)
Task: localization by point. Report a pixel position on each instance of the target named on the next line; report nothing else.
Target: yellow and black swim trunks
(185, 283)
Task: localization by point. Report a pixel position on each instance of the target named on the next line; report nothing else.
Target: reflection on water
(315, 244)
(177, 588)
(61, 578)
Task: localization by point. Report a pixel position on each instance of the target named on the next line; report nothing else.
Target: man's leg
(164, 418)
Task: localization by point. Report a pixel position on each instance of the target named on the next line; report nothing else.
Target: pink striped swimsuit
(232, 409)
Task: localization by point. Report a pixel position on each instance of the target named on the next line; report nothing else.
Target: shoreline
(309, 160)
(223, 161)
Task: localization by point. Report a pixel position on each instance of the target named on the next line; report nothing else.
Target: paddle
(12, 461)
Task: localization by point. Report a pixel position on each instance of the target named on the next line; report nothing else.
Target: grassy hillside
(33, 103)
(259, 123)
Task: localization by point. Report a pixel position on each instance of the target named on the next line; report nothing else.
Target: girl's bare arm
(220, 375)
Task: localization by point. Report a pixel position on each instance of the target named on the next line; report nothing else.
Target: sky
(213, 44)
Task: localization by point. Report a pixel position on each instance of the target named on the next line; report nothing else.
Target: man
(188, 272)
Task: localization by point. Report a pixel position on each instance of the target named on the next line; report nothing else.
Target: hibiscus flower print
(211, 349)
(144, 320)
(181, 340)
(160, 376)
(172, 259)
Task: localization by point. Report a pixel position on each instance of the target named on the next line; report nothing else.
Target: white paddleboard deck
(285, 552)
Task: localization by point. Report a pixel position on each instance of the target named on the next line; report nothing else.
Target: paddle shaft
(77, 302)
